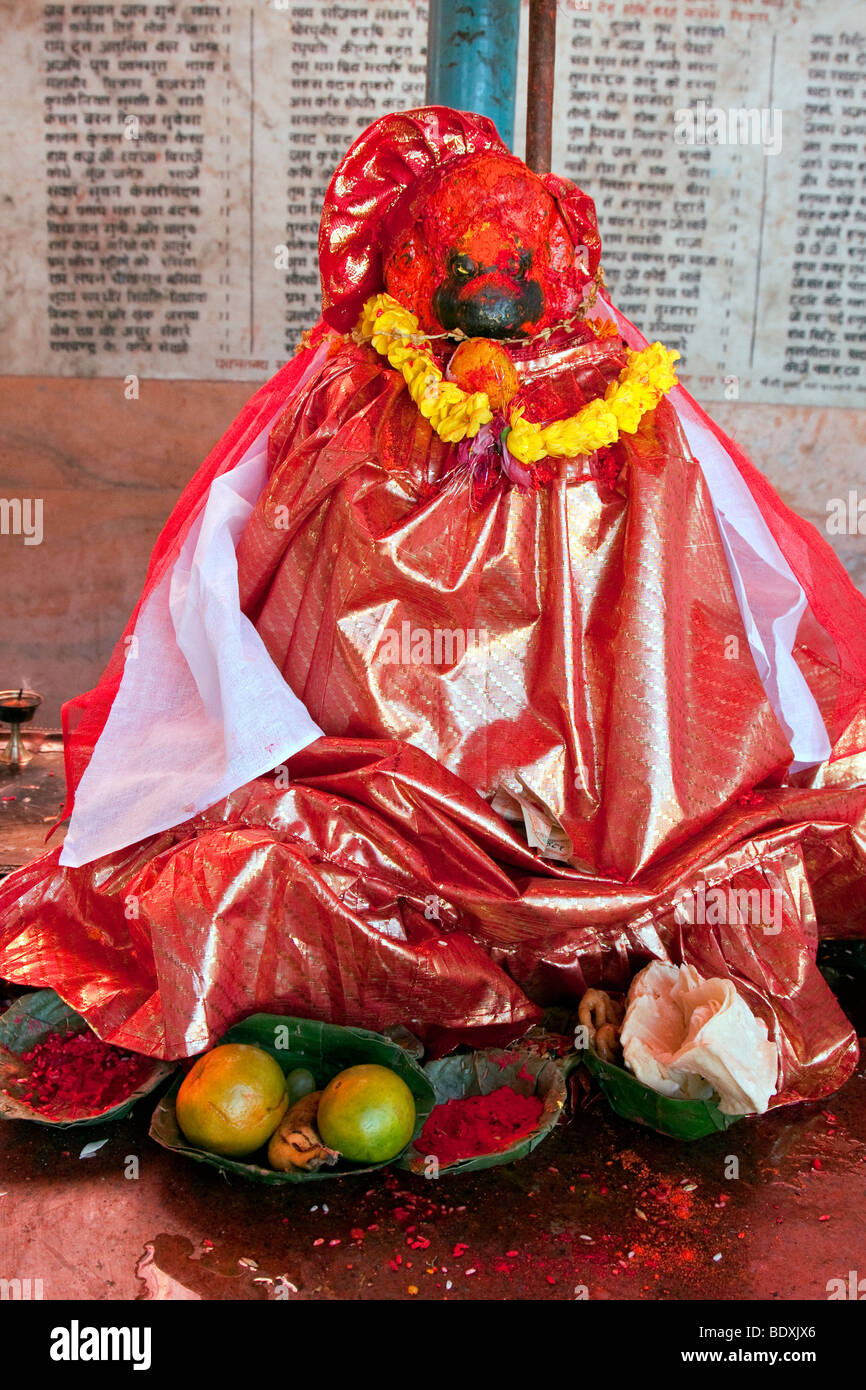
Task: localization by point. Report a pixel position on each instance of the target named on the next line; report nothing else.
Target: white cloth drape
(201, 707)
(771, 600)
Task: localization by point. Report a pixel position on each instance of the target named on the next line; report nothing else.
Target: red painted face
(487, 251)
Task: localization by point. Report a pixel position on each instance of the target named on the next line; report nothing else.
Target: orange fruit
(231, 1100)
(367, 1113)
(478, 364)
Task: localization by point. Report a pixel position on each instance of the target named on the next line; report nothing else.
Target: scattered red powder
(76, 1074)
(475, 1125)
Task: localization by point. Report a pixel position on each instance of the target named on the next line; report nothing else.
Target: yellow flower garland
(455, 414)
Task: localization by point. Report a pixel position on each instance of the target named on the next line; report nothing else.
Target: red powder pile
(76, 1074)
(475, 1125)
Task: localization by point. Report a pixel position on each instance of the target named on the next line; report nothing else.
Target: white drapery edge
(771, 600)
(201, 708)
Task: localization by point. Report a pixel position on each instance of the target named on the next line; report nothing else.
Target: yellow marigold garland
(456, 414)
(393, 331)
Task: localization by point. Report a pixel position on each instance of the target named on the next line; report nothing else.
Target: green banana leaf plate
(324, 1048)
(479, 1073)
(630, 1099)
(28, 1022)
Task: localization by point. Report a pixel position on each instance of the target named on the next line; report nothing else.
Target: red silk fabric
(378, 889)
(380, 886)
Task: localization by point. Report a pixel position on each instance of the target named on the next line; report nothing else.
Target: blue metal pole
(472, 58)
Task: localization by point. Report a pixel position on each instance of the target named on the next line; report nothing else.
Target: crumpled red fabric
(371, 882)
(606, 673)
(377, 888)
(386, 875)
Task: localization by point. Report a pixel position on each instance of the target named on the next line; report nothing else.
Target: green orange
(367, 1113)
(231, 1100)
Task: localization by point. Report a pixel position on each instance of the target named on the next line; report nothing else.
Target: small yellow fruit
(367, 1113)
(232, 1100)
(479, 364)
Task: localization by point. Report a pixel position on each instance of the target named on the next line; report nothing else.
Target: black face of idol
(489, 301)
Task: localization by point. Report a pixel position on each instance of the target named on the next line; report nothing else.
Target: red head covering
(368, 197)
